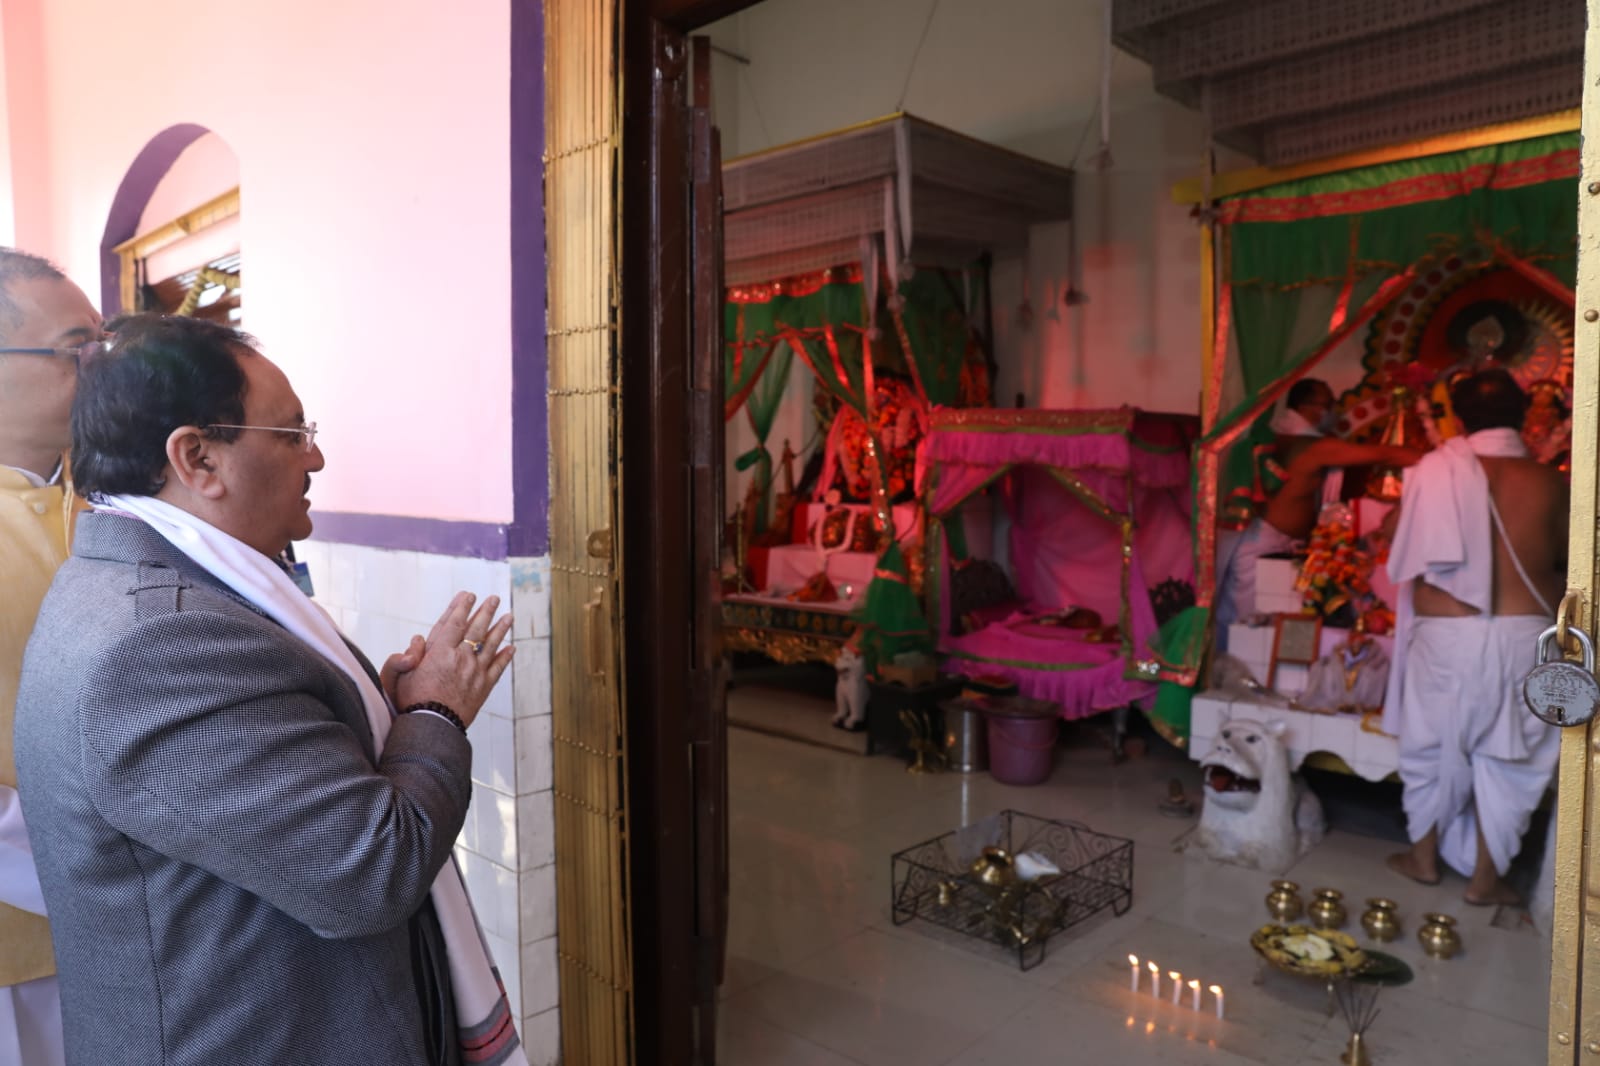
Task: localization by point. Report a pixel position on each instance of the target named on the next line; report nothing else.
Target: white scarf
(1291, 423)
(1443, 535)
(263, 583)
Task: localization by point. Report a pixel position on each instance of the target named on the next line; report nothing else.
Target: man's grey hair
(18, 266)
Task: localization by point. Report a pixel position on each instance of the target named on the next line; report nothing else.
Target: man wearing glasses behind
(46, 326)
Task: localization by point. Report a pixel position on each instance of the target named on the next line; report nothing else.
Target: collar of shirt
(34, 479)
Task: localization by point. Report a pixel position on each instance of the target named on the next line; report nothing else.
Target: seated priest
(1306, 471)
(1479, 557)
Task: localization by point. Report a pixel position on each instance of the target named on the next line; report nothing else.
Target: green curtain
(936, 329)
(1523, 193)
(751, 342)
(762, 408)
(763, 339)
(891, 620)
(831, 330)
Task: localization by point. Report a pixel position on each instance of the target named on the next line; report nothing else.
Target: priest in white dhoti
(1478, 559)
(46, 326)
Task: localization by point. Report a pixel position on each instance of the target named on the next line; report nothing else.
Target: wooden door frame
(654, 537)
(670, 654)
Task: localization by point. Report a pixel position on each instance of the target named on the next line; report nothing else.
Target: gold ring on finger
(475, 645)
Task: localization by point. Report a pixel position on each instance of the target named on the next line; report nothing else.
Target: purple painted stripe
(530, 416)
(434, 536)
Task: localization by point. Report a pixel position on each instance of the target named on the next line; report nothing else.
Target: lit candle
(1155, 980)
(1194, 988)
(1177, 985)
(1216, 990)
(1133, 973)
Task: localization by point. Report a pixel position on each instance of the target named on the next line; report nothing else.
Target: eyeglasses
(307, 432)
(83, 353)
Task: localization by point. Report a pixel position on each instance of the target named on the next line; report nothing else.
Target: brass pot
(1438, 936)
(1284, 902)
(1381, 921)
(994, 868)
(1327, 910)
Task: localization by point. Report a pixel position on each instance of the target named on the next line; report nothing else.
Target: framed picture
(1295, 639)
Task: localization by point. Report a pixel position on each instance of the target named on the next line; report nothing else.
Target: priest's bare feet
(1497, 894)
(1407, 864)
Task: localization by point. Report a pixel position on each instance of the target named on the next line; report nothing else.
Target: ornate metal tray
(1309, 952)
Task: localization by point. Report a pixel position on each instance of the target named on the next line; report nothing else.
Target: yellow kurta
(34, 539)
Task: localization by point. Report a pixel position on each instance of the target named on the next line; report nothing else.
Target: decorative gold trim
(1241, 181)
(783, 647)
(1209, 398)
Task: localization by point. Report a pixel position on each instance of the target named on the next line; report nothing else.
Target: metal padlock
(1560, 692)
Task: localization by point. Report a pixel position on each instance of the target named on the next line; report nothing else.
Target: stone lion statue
(850, 690)
(1256, 813)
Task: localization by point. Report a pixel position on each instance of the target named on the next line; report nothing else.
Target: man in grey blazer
(237, 854)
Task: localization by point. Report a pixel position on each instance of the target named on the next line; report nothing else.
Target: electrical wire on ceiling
(933, 10)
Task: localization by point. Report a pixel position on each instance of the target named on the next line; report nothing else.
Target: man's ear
(192, 463)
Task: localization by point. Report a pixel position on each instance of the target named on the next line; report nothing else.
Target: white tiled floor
(818, 975)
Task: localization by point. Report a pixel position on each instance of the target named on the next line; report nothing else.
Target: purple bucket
(1022, 749)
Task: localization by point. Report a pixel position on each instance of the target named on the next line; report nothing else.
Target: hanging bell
(1385, 484)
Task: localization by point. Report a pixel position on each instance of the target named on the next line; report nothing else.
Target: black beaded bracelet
(440, 709)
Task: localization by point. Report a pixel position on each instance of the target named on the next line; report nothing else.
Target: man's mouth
(1222, 779)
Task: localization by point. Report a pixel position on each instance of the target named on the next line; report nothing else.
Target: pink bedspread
(1049, 663)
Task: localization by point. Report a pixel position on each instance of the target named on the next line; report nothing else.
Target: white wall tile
(497, 825)
(469, 837)
(483, 577)
(540, 977)
(494, 752)
(435, 587)
(541, 1038)
(530, 669)
(508, 960)
(538, 891)
(535, 754)
(394, 590)
(501, 700)
(342, 578)
(493, 889)
(536, 830)
(530, 591)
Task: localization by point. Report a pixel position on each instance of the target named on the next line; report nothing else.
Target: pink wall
(206, 169)
(373, 149)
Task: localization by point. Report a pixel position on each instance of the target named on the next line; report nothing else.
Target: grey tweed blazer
(229, 870)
